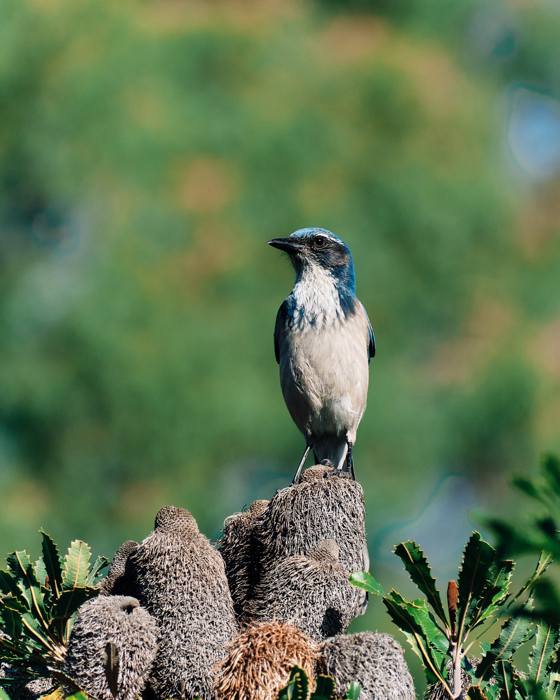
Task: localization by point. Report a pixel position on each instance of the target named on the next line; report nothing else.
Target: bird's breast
(324, 375)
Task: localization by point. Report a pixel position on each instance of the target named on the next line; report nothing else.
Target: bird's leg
(296, 478)
(350, 461)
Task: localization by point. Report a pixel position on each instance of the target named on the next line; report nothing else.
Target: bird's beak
(289, 245)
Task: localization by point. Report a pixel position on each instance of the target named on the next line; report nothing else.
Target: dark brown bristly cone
(375, 661)
(323, 506)
(181, 581)
(311, 592)
(240, 552)
(260, 660)
(115, 624)
(119, 580)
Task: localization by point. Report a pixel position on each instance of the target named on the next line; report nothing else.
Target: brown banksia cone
(119, 580)
(240, 551)
(375, 661)
(260, 660)
(325, 505)
(181, 580)
(310, 591)
(112, 647)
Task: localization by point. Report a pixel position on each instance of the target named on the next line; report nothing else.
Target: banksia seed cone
(111, 649)
(373, 660)
(260, 659)
(239, 550)
(181, 580)
(119, 580)
(324, 505)
(311, 592)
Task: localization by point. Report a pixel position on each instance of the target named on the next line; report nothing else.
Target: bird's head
(310, 248)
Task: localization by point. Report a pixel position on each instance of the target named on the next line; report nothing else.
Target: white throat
(316, 296)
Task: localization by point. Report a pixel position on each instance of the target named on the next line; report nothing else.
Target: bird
(323, 343)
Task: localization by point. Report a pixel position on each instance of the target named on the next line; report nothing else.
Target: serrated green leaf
(40, 571)
(367, 582)
(8, 584)
(474, 577)
(51, 558)
(542, 652)
(354, 691)
(4, 695)
(515, 632)
(298, 686)
(11, 611)
(495, 592)
(69, 601)
(67, 604)
(324, 688)
(418, 569)
(427, 640)
(20, 565)
(96, 568)
(76, 565)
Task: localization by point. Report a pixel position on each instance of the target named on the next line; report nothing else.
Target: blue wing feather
(371, 335)
(280, 327)
(371, 343)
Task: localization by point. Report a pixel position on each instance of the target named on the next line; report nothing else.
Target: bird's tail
(331, 448)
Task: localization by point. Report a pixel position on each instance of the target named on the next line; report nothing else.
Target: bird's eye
(320, 241)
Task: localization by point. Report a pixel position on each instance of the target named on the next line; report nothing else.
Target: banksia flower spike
(119, 579)
(112, 647)
(311, 592)
(375, 661)
(324, 505)
(260, 660)
(181, 580)
(239, 549)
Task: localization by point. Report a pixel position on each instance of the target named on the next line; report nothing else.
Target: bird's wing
(279, 327)
(371, 334)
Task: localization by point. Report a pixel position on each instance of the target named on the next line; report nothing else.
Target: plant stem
(457, 656)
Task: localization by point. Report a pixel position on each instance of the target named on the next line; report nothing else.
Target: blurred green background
(149, 149)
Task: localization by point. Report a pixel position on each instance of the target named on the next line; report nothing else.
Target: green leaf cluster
(537, 533)
(298, 688)
(38, 602)
(446, 636)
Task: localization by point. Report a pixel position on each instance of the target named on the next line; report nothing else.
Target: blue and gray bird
(323, 342)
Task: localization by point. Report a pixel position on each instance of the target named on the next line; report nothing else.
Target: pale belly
(324, 377)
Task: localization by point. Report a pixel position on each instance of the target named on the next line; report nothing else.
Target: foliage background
(148, 149)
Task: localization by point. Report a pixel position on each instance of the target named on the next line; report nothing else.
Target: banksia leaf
(514, 633)
(474, 577)
(416, 564)
(495, 592)
(354, 691)
(367, 582)
(95, 570)
(22, 568)
(76, 565)
(421, 631)
(542, 651)
(51, 559)
(298, 686)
